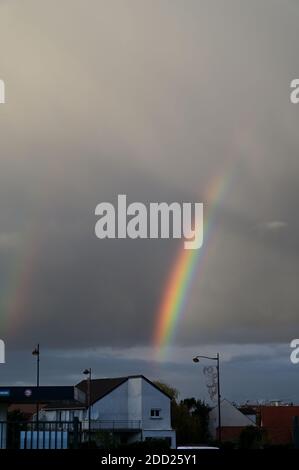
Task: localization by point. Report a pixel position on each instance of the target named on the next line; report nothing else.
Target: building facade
(129, 409)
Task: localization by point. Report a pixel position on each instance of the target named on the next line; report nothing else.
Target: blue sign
(4, 393)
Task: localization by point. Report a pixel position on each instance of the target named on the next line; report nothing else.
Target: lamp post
(196, 359)
(88, 372)
(35, 352)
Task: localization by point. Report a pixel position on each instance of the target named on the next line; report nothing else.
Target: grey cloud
(244, 377)
(154, 100)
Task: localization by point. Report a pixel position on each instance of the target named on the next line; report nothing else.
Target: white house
(131, 408)
(233, 421)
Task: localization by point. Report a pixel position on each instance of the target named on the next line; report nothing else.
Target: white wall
(113, 406)
(153, 398)
(135, 399)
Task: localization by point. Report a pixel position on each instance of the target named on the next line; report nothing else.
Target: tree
(16, 422)
(16, 416)
(199, 410)
(189, 417)
(171, 391)
(187, 426)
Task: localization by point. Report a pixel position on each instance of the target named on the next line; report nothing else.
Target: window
(155, 413)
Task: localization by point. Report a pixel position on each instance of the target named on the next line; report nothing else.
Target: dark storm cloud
(91, 291)
(153, 101)
(247, 373)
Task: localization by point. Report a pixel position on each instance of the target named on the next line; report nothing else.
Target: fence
(42, 435)
(59, 434)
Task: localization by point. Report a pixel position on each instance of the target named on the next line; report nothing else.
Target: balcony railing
(112, 425)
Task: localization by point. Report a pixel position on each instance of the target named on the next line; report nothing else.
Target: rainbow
(16, 298)
(184, 271)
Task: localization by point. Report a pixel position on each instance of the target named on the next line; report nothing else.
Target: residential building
(130, 408)
(280, 423)
(233, 421)
(24, 398)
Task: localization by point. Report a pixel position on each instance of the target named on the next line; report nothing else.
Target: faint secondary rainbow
(183, 273)
(16, 294)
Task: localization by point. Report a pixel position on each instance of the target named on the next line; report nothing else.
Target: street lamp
(196, 359)
(35, 352)
(88, 372)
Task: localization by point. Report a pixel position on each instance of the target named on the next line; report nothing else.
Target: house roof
(230, 416)
(29, 395)
(101, 387)
(71, 398)
(64, 405)
(28, 409)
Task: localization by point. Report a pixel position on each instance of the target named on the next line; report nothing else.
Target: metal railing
(112, 425)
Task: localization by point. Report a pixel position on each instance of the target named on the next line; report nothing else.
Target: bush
(251, 437)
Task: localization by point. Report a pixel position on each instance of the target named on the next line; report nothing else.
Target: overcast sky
(155, 100)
